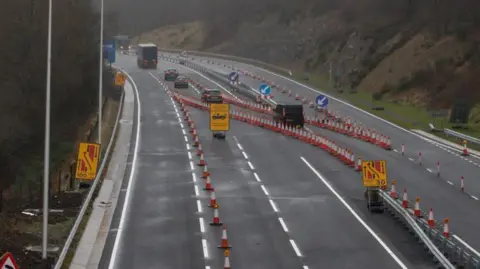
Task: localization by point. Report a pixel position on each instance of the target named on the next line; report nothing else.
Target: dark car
(212, 96)
(181, 82)
(171, 74)
(181, 61)
(289, 114)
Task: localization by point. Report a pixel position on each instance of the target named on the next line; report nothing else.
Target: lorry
(147, 56)
(122, 43)
(289, 115)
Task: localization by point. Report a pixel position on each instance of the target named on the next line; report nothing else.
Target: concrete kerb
(89, 250)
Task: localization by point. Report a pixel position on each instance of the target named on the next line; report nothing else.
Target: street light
(46, 156)
(100, 78)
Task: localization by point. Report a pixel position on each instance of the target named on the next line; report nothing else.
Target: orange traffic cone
(393, 191)
(416, 209)
(226, 263)
(195, 142)
(431, 220)
(446, 229)
(216, 219)
(202, 161)
(405, 199)
(359, 164)
(465, 149)
(224, 243)
(199, 150)
(213, 200)
(206, 173)
(208, 184)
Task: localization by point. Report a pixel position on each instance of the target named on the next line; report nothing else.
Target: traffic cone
(393, 191)
(216, 219)
(208, 184)
(199, 150)
(194, 132)
(202, 161)
(446, 229)
(195, 142)
(405, 199)
(431, 220)
(416, 209)
(224, 243)
(192, 127)
(226, 263)
(206, 173)
(465, 149)
(359, 164)
(213, 200)
(462, 186)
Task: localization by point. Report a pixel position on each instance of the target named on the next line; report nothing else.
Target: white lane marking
(192, 166)
(273, 205)
(194, 177)
(183, 131)
(359, 219)
(395, 150)
(284, 226)
(202, 224)
(429, 170)
(181, 125)
(195, 88)
(245, 155)
(411, 159)
(294, 246)
(467, 245)
(474, 197)
(186, 138)
(305, 267)
(264, 190)
(251, 165)
(189, 155)
(131, 179)
(257, 177)
(239, 146)
(205, 248)
(199, 206)
(188, 146)
(197, 193)
(449, 182)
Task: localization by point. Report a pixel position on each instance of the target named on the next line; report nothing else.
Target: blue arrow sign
(265, 89)
(322, 100)
(109, 50)
(233, 76)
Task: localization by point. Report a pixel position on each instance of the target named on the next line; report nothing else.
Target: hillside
(423, 53)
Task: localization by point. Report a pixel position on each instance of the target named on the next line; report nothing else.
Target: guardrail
(462, 136)
(448, 252)
(93, 187)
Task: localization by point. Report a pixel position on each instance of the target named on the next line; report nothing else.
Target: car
(181, 82)
(171, 74)
(212, 96)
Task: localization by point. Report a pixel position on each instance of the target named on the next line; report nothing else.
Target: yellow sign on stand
(219, 117)
(120, 79)
(374, 173)
(87, 161)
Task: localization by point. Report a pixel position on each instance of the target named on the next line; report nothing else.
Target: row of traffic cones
(417, 212)
(224, 243)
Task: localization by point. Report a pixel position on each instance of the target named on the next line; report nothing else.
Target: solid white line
(284, 226)
(359, 219)
(131, 179)
(273, 205)
(264, 190)
(199, 206)
(245, 155)
(202, 225)
(192, 166)
(256, 177)
(205, 248)
(297, 251)
(467, 245)
(251, 166)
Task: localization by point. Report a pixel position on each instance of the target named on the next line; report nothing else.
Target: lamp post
(100, 77)
(46, 157)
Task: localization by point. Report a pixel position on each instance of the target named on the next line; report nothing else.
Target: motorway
(285, 204)
(441, 193)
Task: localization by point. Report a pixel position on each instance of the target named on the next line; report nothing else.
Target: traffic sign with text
(219, 117)
(374, 173)
(87, 161)
(8, 262)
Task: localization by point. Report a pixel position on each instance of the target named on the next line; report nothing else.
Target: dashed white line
(273, 205)
(474, 197)
(194, 177)
(196, 190)
(429, 170)
(192, 166)
(188, 146)
(239, 146)
(186, 138)
(245, 155)
(264, 190)
(205, 248)
(411, 159)
(294, 246)
(199, 207)
(449, 182)
(284, 226)
(395, 150)
(251, 165)
(189, 155)
(183, 131)
(256, 177)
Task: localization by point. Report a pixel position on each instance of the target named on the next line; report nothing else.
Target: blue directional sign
(109, 50)
(233, 76)
(265, 89)
(322, 100)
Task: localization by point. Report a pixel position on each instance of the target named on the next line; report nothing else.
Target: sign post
(219, 119)
(87, 161)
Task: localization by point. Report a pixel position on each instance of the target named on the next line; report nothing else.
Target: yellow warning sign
(374, 173)
(87, 161)
(219, 117)
(120, 79)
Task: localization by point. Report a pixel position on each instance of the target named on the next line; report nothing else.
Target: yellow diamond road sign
(87, 161)
(219, 117)
(374, 173)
